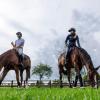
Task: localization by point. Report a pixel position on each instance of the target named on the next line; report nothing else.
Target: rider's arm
(78, 42)
(20, 45)
(13, 44)
(66, 41)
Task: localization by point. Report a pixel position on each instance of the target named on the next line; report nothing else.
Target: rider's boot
(66, 59)
(21, 61)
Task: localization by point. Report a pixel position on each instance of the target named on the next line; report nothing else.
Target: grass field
(49, 94)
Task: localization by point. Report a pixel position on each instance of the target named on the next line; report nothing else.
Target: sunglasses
(18, 34)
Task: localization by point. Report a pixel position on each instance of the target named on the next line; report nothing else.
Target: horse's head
(93, 77)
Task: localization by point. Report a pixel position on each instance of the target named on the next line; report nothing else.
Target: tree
(42, 70)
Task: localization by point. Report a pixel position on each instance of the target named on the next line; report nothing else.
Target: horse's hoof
(74, 87)
(95, 87)
(70, 86)
(26, 86)
(61, 86)
(82, 87)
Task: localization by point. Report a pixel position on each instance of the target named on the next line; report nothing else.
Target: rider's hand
(66, 45)
(12, 43)
(14, 47)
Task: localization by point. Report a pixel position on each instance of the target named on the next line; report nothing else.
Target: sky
(45, 24)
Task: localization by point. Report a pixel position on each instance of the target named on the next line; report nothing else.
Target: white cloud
(97, 36)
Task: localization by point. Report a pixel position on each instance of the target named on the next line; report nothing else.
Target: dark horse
(9, 60)
(77, 59)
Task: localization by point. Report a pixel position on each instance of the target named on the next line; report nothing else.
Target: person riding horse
(18, 46)
(70, 42)
(77, 58)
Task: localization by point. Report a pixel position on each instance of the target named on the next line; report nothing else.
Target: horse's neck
(86, 60)
(2, 59)
(4, 56)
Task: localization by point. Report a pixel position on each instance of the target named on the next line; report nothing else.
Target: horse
(66, 70)
(77, 59)
(61, 66)
(9, 60)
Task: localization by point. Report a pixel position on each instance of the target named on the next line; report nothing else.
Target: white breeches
(20, 51)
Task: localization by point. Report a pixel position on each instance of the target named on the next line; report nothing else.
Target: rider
(18, 46)
(70, 41)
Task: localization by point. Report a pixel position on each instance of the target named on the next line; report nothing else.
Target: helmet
(72, 29)
(19, 33)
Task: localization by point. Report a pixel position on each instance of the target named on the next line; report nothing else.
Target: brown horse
(9, 60)
(77, 59)
(61, 66)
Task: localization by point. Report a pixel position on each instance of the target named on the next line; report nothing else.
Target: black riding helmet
(19, 33)
(72, 29)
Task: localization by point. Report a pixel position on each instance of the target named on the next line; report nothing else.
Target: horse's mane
(85, 53)
(86, 57)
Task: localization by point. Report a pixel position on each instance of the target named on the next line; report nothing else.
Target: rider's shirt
(20, 42)
(71, 41)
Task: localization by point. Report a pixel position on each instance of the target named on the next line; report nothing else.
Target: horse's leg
(60, 77)
(1, 67)
(68, 73)
(17, 76)
(21, 76)
(4, 73)
(93, 82)
(27, 76)
(60, 73)
(77, 75)
(76, 79)
(95, 78)
(97, 81)
(81, 81)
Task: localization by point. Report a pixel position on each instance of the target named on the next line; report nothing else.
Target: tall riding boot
(21, 61)
(66, 58)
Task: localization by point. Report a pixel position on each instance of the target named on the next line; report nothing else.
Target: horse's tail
(29, 74)
(28, 66)
(28, 70)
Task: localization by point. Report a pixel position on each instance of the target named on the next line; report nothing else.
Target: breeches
(20, 51)
(20, 54)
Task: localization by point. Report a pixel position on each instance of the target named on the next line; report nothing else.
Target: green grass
(49, 94)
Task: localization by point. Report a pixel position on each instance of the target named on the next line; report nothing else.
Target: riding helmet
(19, 33)
(72, 29)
